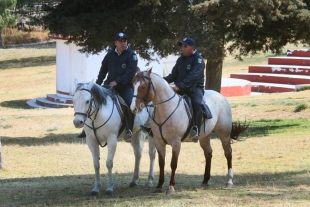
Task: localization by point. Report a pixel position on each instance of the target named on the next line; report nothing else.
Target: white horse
(170, 121)
(96, 109)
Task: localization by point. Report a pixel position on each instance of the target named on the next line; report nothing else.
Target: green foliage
(240, 27)
(6, 18)
(304, 88)
(6, 4)
(31, 10)
(300, 107)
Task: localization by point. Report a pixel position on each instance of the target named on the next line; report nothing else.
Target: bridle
(150, 84)
(144, 99)
(89, 114)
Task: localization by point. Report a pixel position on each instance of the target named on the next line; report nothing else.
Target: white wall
(71, 64)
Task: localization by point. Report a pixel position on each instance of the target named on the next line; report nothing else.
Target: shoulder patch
(134, 57)
(199, 60)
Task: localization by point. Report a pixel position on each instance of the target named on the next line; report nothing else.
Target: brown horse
(170, 121)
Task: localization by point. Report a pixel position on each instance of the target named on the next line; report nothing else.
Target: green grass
(267, 127)
(46, 165)
(300, 107)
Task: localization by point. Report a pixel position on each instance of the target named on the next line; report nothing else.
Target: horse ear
(76, 82)
(90, 85)
(149, 71)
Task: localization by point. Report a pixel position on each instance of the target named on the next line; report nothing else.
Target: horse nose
(78, 123)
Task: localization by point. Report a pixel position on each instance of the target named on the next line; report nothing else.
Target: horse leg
(136, 144)
(176, 147)
(161, 150)
(228, 155)
(152, 155)
(207, 149)
(112, 143)
(94, 148)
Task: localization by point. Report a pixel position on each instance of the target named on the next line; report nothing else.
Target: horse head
(143, 91)
(82, 101)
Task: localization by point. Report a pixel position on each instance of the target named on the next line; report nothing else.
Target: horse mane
(101, 94)
(141, 77)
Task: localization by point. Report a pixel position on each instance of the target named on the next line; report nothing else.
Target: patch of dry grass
(15, 37)
(46, 165)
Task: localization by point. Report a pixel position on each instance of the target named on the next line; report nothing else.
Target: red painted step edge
(280, 69)
(298, 52)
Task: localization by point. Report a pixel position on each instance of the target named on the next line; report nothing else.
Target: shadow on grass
(257, 129)
(16, 104)
(74, 190)
(28, 62)
(49, 139)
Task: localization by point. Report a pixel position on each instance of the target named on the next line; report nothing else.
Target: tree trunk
(214, 74)
(1, 161)
(0, 38)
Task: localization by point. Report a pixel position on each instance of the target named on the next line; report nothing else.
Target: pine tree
(240, 27)
(6, 18)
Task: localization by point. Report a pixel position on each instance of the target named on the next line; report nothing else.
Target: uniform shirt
(188, 73)
(121, 68)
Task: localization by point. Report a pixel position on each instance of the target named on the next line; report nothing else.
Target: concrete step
(273, 78)
(51, 104)
(235, 87)
(287, 60)
(272, 87)
(280, 69)
(298, 52)
(55, 98)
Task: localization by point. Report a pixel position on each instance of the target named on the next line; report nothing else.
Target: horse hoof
(109, 192)
(229, 186)
(170, 190)
(94, 193)
(158, 190)
(204, 185)
(132, 185)
(148, 184)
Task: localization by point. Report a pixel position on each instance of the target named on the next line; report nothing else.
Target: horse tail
(237, 129)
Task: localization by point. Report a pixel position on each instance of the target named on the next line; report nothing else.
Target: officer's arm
(174, 74)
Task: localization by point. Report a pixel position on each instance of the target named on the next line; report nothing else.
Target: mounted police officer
(188, 77)
(120, 64)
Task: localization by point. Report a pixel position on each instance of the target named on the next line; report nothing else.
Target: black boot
(82, 134)
(129, 125)
(194, 133)
(147, 130)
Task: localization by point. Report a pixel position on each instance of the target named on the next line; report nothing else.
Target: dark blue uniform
(120, 68)
(188, 75)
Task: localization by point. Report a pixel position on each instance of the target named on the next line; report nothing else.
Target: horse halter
(144, 99)
(87, 114)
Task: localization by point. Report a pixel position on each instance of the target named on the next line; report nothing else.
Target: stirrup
(194, 134)
(128, 135)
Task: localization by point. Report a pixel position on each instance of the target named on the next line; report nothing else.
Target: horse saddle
(123, 111)
(206, 110)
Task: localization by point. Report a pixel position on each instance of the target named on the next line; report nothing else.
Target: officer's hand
(175, 88)
(112, 84)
